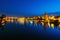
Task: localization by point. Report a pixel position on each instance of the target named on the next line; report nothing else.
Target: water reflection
(45, 24)
(2, 22)
(46, 21)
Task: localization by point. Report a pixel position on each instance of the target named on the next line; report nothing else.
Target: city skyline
(45, 20)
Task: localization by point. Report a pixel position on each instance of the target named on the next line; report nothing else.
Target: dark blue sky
(28, 7)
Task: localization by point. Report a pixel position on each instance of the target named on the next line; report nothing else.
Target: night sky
(28, 7)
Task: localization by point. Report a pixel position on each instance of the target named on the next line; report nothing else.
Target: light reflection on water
(30, 29)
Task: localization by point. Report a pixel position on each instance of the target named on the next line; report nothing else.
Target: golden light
(2, 21)
(52, 25)
(12, 19)
(49, 24)
(21, 20)
(59, 25)
(58, 19)
(45, 19)
(35, 21)
(8, 19)
(52, 18)
(42, 23)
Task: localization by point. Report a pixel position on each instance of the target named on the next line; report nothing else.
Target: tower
(46, 17)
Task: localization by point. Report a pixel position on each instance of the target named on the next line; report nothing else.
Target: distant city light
(45, 20)
(31, 22)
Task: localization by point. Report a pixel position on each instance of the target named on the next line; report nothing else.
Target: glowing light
(52, 18)
(31, 22)
(49, 24)
(35, 21)
(2, 21)
(59, 25)
(21, 20)
(42, 23)
(52, 25)
(12, 20)
(8, 19)
(3, 24)
(45, 20)
(59, 19)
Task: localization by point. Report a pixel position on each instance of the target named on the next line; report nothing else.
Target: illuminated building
(45, 20)
(46, 17)
(21, 20)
